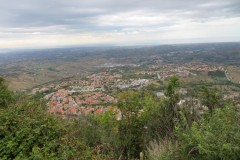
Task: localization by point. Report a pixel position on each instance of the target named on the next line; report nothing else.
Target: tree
(210, 98)
(171, 110)
(130, 126)
(216, 136)
(28, 132)
(5, 94)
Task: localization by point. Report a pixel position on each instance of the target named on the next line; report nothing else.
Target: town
(96, 93)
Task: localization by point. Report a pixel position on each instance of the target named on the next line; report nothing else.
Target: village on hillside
(95, 93)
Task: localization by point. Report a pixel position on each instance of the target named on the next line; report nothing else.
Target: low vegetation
(218, 75)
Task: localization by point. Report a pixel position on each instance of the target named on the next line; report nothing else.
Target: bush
(5, 94)
(28, 132)
(161, 150)
(216, 136)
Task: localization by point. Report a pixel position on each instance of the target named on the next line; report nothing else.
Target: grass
(234, 72)
(218, 75)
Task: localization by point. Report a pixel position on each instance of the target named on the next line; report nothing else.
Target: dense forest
(150, 128)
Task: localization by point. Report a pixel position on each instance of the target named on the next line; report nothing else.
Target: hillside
(27, 69)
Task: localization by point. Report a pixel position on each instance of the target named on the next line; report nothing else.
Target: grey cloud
(75, 16)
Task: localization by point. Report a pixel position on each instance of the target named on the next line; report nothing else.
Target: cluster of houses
(163, 71)
(113, 65)
(58, 86)
(103, 78)
(188, 67)
(88, 95)
(66, 102)
(133, 84)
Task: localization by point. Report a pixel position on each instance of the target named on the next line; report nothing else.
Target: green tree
(5, 94)
(216, 136)
(210, 98)
(130, 126)
(159, 114)
(170, 109)
(28, 132)
(107, 129)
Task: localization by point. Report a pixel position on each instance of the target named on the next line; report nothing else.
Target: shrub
(28, 132)
(216, 136)
(161, 150)
(5, 94)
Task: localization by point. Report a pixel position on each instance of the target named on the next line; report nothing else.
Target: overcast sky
(51, 23)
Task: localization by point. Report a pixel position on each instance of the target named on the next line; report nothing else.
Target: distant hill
(28, 68)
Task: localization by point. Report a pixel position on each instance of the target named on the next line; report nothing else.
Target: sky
(55, 23)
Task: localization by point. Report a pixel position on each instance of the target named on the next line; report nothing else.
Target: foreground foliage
(27, 132)
(216, 136)
(5, 94)
(159, 127)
